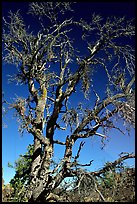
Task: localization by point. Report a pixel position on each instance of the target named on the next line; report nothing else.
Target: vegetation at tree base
(116, 184)
(22, 169)
(114, 187)
(53, 69)
(6, 191)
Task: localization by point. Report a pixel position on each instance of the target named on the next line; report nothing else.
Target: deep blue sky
(13, 145)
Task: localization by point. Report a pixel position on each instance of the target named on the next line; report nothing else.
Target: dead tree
(51, 68)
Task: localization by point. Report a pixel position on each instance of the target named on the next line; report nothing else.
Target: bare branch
(113, 164)
(59, 142)
(89, 164)
(101, 135)
(78, 153)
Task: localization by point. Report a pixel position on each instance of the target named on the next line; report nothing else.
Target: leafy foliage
(22, 171)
